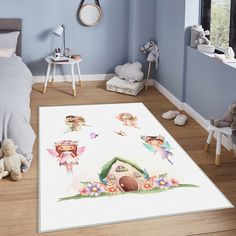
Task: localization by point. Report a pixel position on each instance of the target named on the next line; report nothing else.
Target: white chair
(227, 132)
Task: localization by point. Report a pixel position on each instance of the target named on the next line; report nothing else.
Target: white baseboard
(88, 77)
(168, 95)
(67, 78)
(181, 105)
(196, 116)
(189, 110)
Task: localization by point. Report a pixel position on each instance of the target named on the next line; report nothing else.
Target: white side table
(71, 62)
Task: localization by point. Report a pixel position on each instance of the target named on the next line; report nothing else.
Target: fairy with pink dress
(67, 153)
(128, 119)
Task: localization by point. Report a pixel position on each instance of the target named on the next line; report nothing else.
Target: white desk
(71, 62)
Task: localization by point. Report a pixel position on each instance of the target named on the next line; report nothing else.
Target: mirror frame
(97, 21)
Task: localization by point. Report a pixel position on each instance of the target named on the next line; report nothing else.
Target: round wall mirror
(90, 14)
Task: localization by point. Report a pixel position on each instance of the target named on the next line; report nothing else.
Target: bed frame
(11, 24)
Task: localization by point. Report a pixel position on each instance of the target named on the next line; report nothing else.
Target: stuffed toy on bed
(10, 160)
(130, 72)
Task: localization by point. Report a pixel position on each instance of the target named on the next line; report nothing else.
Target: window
(219, 16)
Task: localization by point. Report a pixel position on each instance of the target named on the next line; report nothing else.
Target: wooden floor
(18, 201)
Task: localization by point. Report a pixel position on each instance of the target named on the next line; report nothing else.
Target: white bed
(15, 89)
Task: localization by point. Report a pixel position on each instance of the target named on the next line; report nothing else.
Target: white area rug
(102, 164)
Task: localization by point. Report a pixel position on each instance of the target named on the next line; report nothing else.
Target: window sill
(232, 65)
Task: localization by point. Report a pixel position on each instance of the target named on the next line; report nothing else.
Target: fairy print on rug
(128, 119)
(75, 123)
(67, 153)
(118, 162)
(121, 176)
(158, 145)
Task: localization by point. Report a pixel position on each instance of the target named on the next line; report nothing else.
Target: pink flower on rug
(148, 185)
(174, 182)
(112, 189)
(84, 192)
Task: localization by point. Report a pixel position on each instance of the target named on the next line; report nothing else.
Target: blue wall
(169, 28)
(104, 46)
(205, 84)
(141, 27)
(210, 84)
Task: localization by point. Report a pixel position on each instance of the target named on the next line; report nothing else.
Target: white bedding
(15, 89)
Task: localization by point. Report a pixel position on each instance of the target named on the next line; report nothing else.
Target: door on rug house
(128, 184)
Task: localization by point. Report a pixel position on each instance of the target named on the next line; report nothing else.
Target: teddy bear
(228, 120)
(201, 37)
(130, 72)
(10, 160)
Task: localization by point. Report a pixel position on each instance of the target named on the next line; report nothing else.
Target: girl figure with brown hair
(128, 119)
(75, 123)
(157, 144)
(67, 153)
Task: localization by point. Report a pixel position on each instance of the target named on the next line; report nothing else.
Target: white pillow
(9, 40)
(6, 52)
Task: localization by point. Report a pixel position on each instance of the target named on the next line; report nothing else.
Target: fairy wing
(52, 152)
(80, 150)
(167, 145)
(149, 147)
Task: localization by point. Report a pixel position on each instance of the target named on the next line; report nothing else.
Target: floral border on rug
(120, 176)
